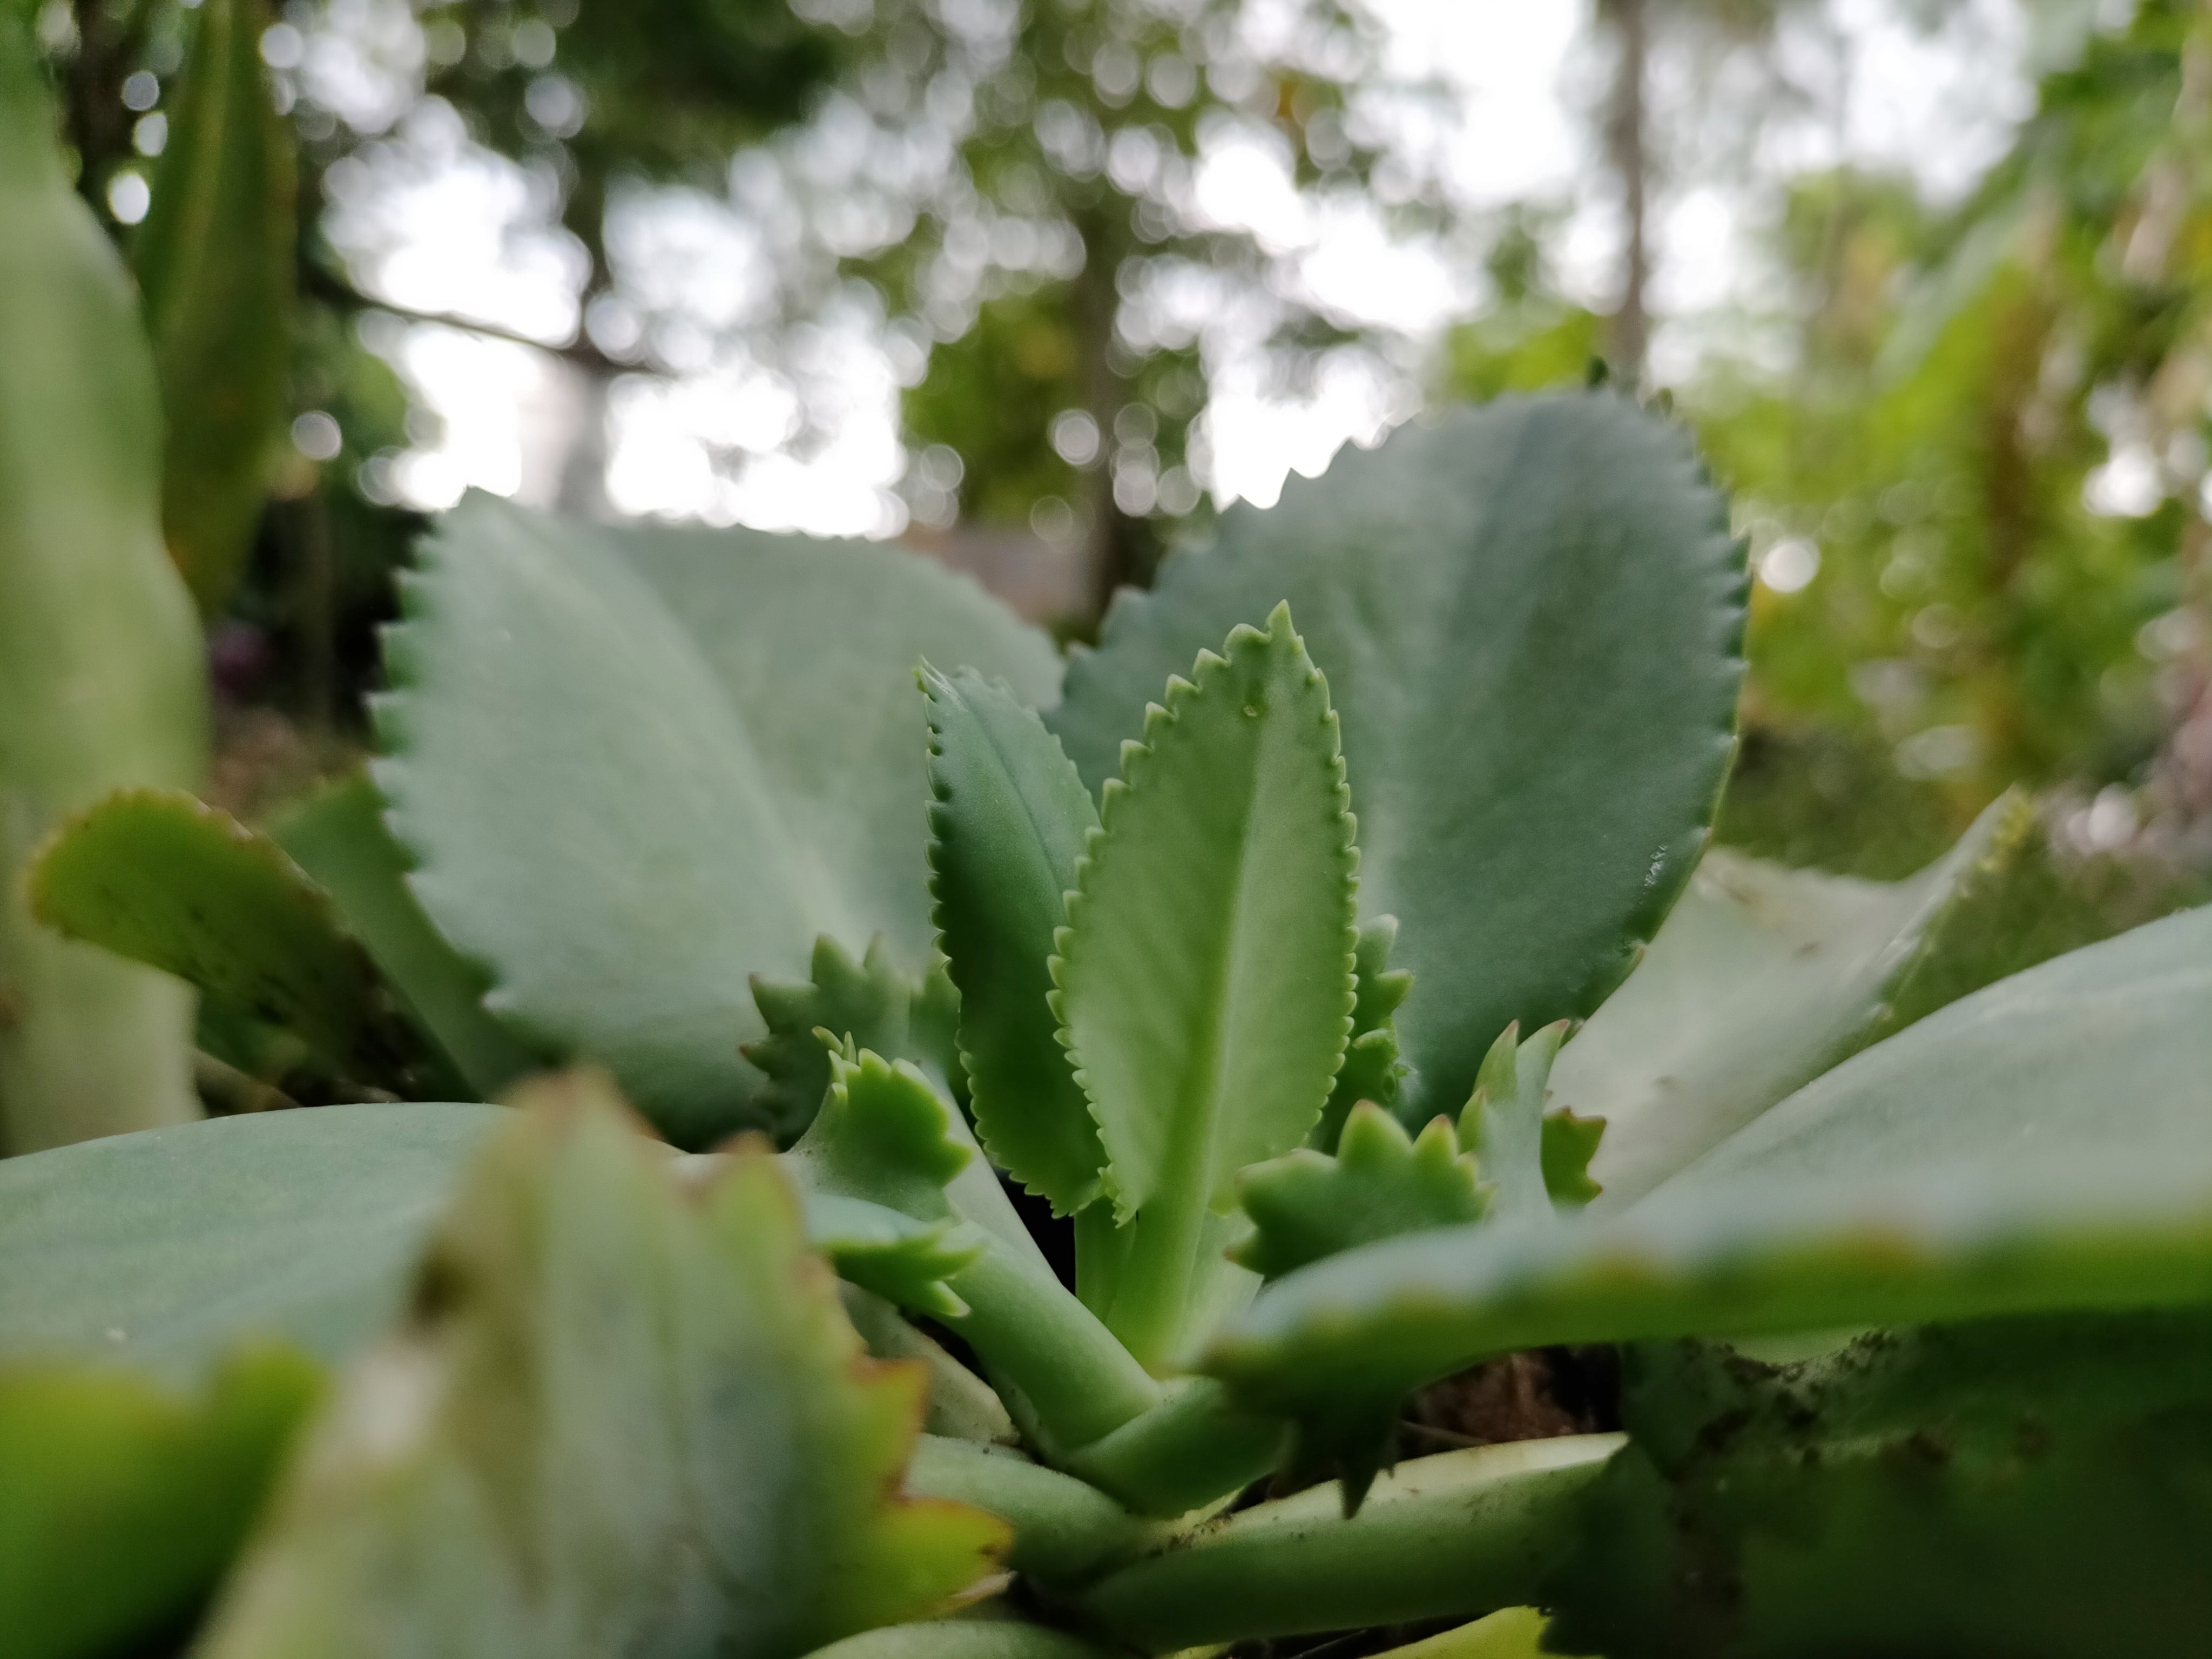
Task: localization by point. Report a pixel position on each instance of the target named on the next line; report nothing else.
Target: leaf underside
(638, 765)
(2039, 1146)
(1530, 615)
(622, 1417)
(1206, 973)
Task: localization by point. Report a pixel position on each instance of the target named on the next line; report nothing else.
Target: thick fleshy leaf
(103, 678)
(1206, 971)
(121, 1500)
(1510, 1633)
(1447, 1537)
(1008, 822)
(2068, 1460)
(1380, 1183)
(892, 1255)
(338, 836)
(625, 1415)
(1371, 1069)
(2041, 1145)
(871, 1004)
(962, 1638)
(159, 1251)
(1762, 978)
(1504, 1123)
(637, 765)
(1530, 615)
(215, 260)
(162, 877)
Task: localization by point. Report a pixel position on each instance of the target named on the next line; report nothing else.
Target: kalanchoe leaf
(2039, 1146)
(1007, 821)
(1382, 1182)
(1504, 1123)
(162, 877)
(1372, 1070)
(637, 765)
(1569, 1143)
(1206, 971)
(625, 1416)
(897, 1257)
(1531, 616)
(883, 1135)
(873, 1004)
(1763, 978)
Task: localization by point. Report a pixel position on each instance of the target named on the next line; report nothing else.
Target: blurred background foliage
(1966, 433)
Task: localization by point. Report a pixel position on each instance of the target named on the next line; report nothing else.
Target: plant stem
(1454, 1536)
(1066, 1531)
(1188, 1451)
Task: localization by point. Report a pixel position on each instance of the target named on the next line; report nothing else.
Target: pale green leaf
(624, 1415)
(2041, 1145)
(161, 877)
(1206, 972)
(638, 765)
(215, 260)
(1008, 821)
(1762, 978)
(1381, 1182)
(338, 837)
(962, 1638)
(103, 677)
(1530, 615)
(1504, 1123)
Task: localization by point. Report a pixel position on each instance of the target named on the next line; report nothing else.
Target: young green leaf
(625, 1416)
(1205, 974)
(1504, 1123)
(873, 1004)
(638, 765)
(215, 260)
(1008, 822)
(1372, 1070)
(1382, 1182)
(904, 1260)
(1569, 1143)
(1762, 979)
(162, 877)
(1531, 615)
(2039, 1146)
(103, 679)
(122, 1501)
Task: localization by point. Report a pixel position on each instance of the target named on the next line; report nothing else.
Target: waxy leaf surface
(624, 1415)
(1762, 978)
(1205, 972)
(638, 765)
(2044, 1144)
(1008, 820)
(1530, 615)
(1381, 1182)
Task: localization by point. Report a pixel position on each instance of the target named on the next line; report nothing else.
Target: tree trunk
(1628, 150)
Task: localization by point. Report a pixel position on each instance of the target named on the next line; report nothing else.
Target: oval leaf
(1530, 615)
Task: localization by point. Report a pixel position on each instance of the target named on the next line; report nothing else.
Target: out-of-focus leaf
(1530, 615)
(1511, 1634)
(159, 1251)
(1007, 822)
(1762, 978)
(102, 683)
(121, 1501)
(2037, 1487)
(1569, 1143)
(215, 261)
(1206, 971)
(338, 837)
(625, 1415)
(964, 1638)
(162, 877)
(2042, 1145)
(1448, 1537)
(1382, 1182)
(638, 765)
